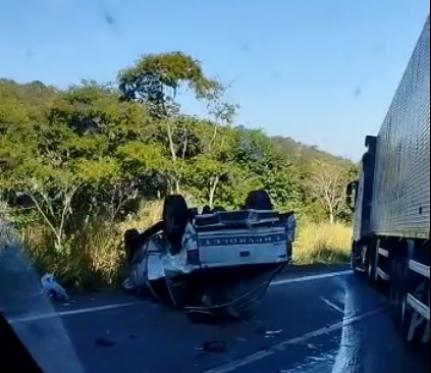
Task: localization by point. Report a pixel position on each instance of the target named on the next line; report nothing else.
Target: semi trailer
(391, 201)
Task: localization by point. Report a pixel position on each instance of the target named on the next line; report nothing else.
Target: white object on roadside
(53, 288)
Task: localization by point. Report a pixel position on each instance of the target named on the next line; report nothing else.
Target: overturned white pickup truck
(217, 262)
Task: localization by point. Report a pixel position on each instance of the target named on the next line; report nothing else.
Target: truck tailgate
(259, 245)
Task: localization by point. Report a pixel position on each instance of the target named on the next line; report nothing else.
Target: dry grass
(94, 257)
(91, 259)
(149, 214)
(322, 243)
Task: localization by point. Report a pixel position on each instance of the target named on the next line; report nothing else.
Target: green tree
(47, 152)
(155, 80)
(270, 168)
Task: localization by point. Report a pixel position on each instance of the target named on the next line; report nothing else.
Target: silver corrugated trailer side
(392, 200)
(401, 192)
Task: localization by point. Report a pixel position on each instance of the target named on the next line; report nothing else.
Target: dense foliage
(96, 154)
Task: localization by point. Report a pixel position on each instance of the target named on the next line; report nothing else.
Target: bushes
(322, 243)
(149, 214)
(93, 257)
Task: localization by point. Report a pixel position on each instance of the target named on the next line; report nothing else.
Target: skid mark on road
(279, 347)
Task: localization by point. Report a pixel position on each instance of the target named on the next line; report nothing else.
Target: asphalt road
(325, 320)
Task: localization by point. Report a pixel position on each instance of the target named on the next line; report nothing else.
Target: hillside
(305, 154)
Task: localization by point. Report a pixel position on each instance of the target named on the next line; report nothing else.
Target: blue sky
(320, 71)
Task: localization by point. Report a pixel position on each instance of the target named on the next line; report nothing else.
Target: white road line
(120, 305)
(279, 347)
(310, 278)
(332, 305)
(72, 312)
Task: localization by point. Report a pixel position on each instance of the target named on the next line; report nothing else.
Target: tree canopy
(155, 79)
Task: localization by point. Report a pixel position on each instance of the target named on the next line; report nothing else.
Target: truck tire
(258, 200)
(175, 218)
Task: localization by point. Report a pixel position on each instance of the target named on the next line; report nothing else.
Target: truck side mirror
(351, 194)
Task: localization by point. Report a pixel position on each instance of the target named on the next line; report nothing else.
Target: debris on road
(212, 346)
(201, 317)
(53, 288)
(273, 333)
(241, 339)
(104, 342)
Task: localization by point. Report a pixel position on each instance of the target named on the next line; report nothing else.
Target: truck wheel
(258, 200)
(175, 218)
